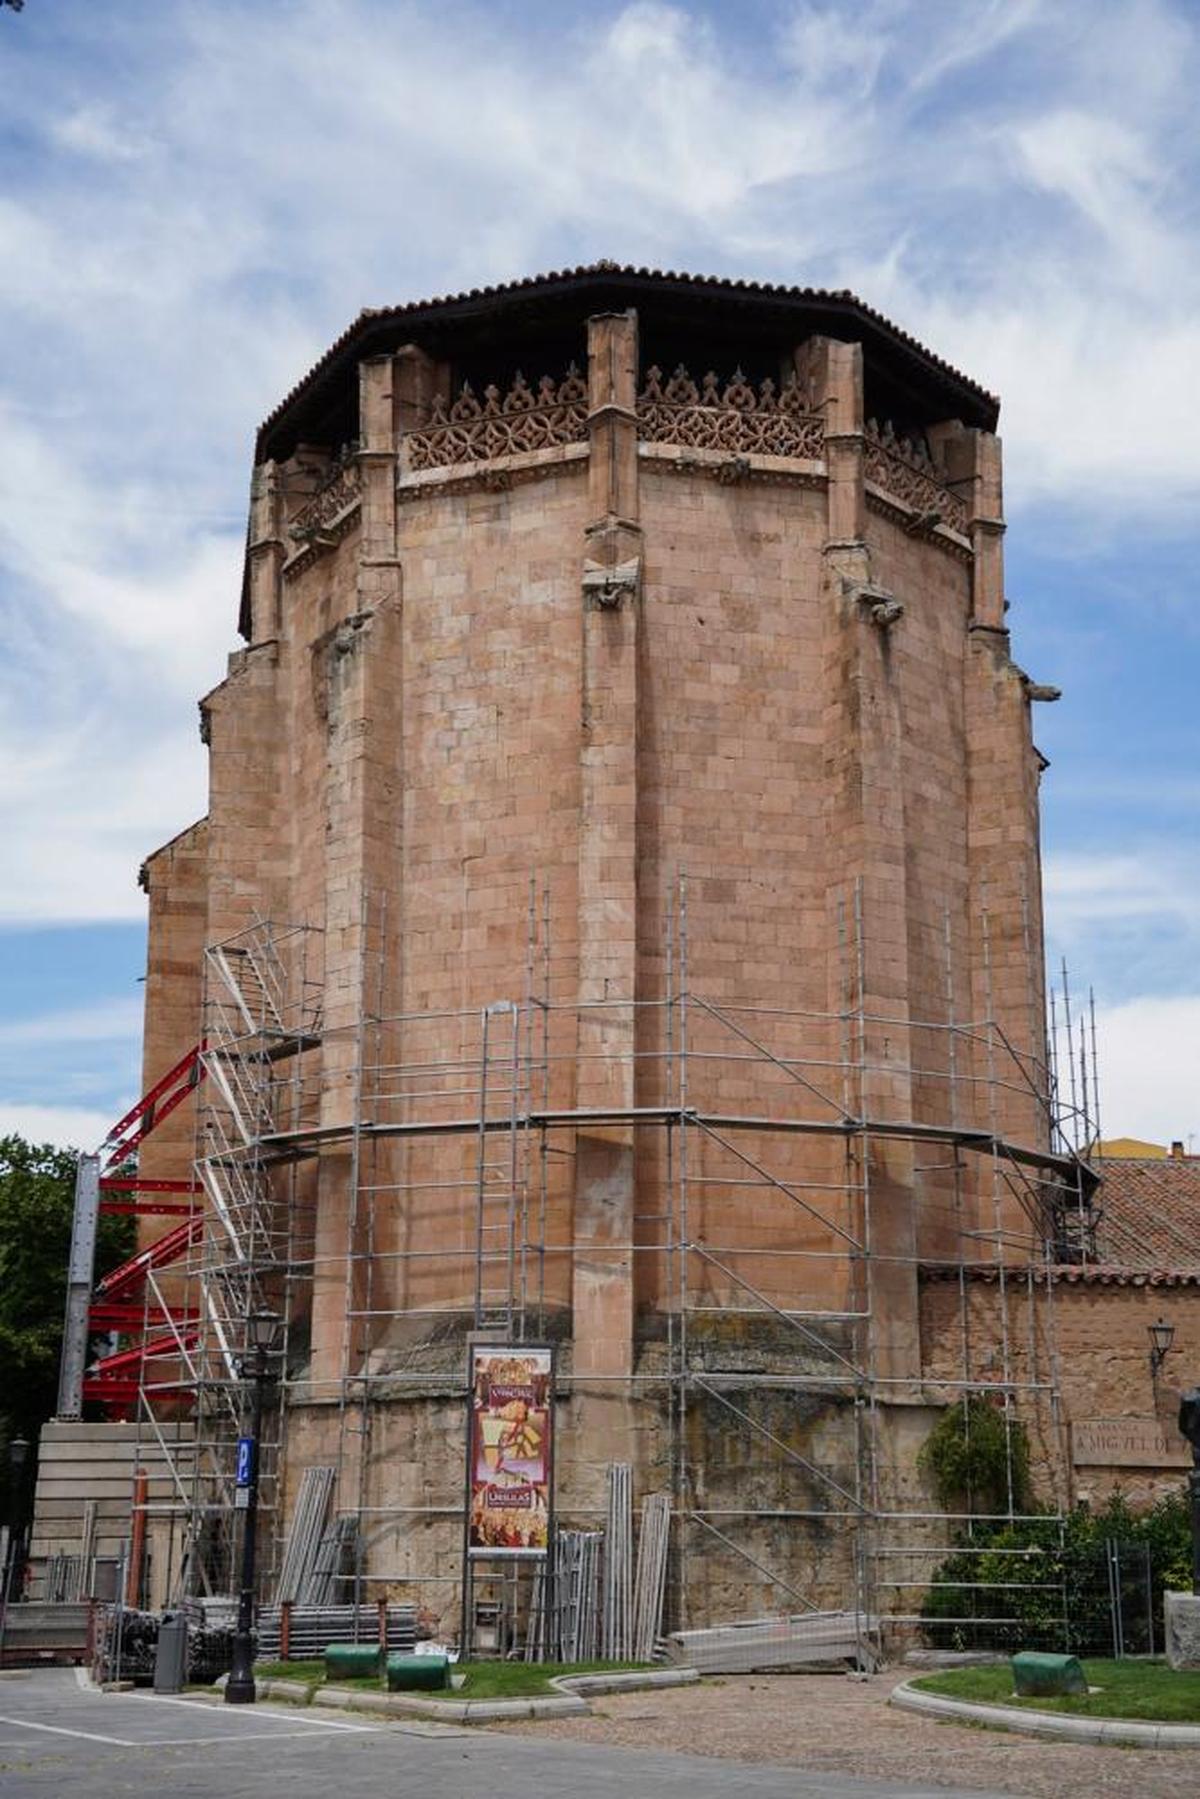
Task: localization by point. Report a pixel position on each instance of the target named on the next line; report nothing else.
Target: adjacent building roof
(910, 380)
(1110, 1147)
(1150, 1212)
(1148, 1233)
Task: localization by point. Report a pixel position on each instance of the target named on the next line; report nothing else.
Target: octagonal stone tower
(683, 597)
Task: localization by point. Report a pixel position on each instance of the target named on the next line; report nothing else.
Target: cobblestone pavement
(845, 1727)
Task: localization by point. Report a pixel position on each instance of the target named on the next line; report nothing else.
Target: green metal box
(352, 1661)
(1037, 1676)
(417, 1673)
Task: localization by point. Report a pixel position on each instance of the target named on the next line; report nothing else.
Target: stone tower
(681, 599)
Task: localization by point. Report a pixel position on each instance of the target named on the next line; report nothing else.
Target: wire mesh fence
(1095, 1599)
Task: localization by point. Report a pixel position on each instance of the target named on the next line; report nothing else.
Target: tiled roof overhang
(1095, 1274)
(463, 323)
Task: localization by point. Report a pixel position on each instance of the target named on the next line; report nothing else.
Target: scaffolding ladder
(501, 1173)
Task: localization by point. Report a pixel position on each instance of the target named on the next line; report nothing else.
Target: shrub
(1046, 1583)
(976, 1458)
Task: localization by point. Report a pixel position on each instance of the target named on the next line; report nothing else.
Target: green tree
(37, 1193)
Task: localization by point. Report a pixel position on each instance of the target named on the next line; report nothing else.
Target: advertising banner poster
(510, 1444)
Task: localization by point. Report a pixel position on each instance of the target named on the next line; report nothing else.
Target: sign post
(247, 1471)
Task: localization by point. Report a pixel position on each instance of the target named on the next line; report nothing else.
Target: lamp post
(18, 1456)
(1189, 1424)
(263, 1337)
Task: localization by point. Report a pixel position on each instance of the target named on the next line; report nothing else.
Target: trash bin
(408, 1673)
(352, 1661)
(170, 1657)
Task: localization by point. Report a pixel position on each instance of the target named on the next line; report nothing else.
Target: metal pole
(240, 1688)
(15, 1546)
(80, 1274)
(9, 1563)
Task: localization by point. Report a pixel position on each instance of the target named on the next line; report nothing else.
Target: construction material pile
(318, 1556)
(599, 1607)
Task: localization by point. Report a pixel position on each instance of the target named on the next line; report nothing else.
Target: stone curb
(592, 1685)
(571, 1697)
(1047, 1724)
(296, 1692)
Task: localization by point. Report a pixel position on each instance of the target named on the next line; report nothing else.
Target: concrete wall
(78, 1463)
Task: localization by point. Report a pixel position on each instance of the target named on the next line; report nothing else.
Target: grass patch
(522, 1680)
(484, 1680)
(1144, 1689)
(312, 1674)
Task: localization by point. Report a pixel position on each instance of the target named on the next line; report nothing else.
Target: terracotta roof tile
(1148, 1235)
(1150, 1212)
(1094, 1274)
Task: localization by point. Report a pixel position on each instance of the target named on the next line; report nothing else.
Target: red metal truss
(127, 1362)
(153, 1107)
(119, 1303)
(160, 1254)
(115, 1381)
(128, 1315)
(152, 1207)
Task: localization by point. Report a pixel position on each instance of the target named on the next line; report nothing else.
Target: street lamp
(262, 1335)
(1162, 1336)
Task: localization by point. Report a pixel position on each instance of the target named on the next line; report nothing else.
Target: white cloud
(67, 1127)
(95, 131)
(1081, 889)
(1015, 187)
(971, 35)
(1126, 924)
(105, 1022)
(1149, 1058)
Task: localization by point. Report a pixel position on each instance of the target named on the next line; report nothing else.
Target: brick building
(617, 923)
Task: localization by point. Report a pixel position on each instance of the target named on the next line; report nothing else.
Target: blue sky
(195, 199)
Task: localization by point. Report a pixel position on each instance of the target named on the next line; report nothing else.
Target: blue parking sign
(245, 1461)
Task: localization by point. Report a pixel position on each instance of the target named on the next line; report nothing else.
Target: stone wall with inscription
(1146, 1443)
(1115, 1428)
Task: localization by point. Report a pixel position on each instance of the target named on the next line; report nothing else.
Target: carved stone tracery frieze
(737, 417)
(471, 429)
(903, 468)
(341, 491)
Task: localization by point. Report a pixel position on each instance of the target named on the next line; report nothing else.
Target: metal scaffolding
(416, 1168)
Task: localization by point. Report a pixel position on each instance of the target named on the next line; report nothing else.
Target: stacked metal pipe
(650, 1587)
(577, 1594)
(305, 1536)
(618, 1563)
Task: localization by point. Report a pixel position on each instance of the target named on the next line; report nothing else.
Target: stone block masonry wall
(489, 748)
(441, 701)
(730, 790)
(176, 882)
(647, 673)
(415, 1480)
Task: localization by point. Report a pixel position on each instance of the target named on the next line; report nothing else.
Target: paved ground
(835, 1728)
(765, 1737)
(56, 1738)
